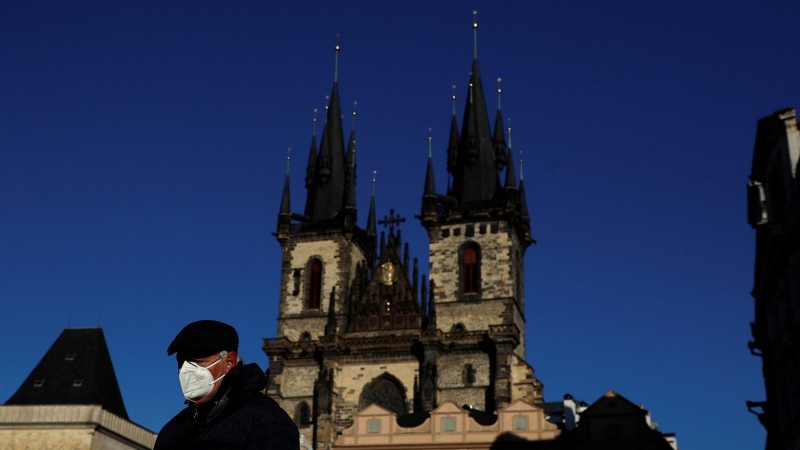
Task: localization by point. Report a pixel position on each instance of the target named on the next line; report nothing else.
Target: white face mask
(196, 381)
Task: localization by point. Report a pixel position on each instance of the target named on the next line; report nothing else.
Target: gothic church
(359, 325)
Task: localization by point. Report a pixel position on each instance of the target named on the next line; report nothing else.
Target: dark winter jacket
(238, 417)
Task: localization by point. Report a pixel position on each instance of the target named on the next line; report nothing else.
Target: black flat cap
(205, 338)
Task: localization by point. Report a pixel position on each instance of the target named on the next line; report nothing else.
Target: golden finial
(454, 99)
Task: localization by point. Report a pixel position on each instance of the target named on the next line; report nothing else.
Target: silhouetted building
(71, 399)
(369, 352)
(774, 212)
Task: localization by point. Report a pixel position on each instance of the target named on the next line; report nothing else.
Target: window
(314, 284)
(468, 375)
(305, 337)
(373, 426)
(296, 279)
(303, 415)
(387, 392)
(449, 424)
(470, 269)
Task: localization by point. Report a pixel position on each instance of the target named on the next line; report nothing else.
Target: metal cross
(391, 220)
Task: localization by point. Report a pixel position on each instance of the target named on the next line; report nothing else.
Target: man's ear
(230, 361)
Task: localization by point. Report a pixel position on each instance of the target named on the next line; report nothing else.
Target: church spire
(371, 225)
(430, 208)
(523, 201)
(350, 171)
(430, 183)
(475, 177)
(511, 179)
(311, 170)
(330, 179)
(285, 214)
(498, 140)
(286, 209)
(452, 146)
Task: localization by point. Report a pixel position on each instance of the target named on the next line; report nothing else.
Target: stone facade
(390, 357)
(73, 427)
(383, 333)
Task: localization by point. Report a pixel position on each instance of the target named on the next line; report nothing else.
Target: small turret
(498, 140)
(311, 170)
(285, 214)
(430, 209)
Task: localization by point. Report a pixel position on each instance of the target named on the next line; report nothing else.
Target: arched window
(314, 284)
(385, 391)
(303, 416)
(470, 269)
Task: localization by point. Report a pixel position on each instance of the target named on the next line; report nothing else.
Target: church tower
(479, 231)
(359, 325)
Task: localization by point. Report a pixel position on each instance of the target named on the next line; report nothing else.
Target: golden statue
(387, 273)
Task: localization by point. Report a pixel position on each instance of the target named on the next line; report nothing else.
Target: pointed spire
(475, 35)
(430, 202)
(498, 140)
(286, 208)
(336, 62)
(330, 187)
(475, 177)
(452, 146)
(311, 170)
(430, 183)
(523, 201)
(511, 181)
(371, 224)
(330, 326)
(350, 161)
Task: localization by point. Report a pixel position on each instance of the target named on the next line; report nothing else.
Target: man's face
(217, 370)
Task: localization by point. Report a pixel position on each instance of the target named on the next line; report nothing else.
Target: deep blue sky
(143, 145)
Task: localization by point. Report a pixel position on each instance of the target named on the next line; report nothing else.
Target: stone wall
(73, 427)
(339, 257)
(350, 380)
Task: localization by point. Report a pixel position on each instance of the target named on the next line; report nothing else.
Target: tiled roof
(77, 370)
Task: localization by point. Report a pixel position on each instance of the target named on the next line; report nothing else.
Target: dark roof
(77, 370)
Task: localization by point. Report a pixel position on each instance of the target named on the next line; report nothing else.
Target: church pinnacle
(475, 169)
(326, 176)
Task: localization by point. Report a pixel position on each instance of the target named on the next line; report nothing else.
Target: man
(227, 408)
